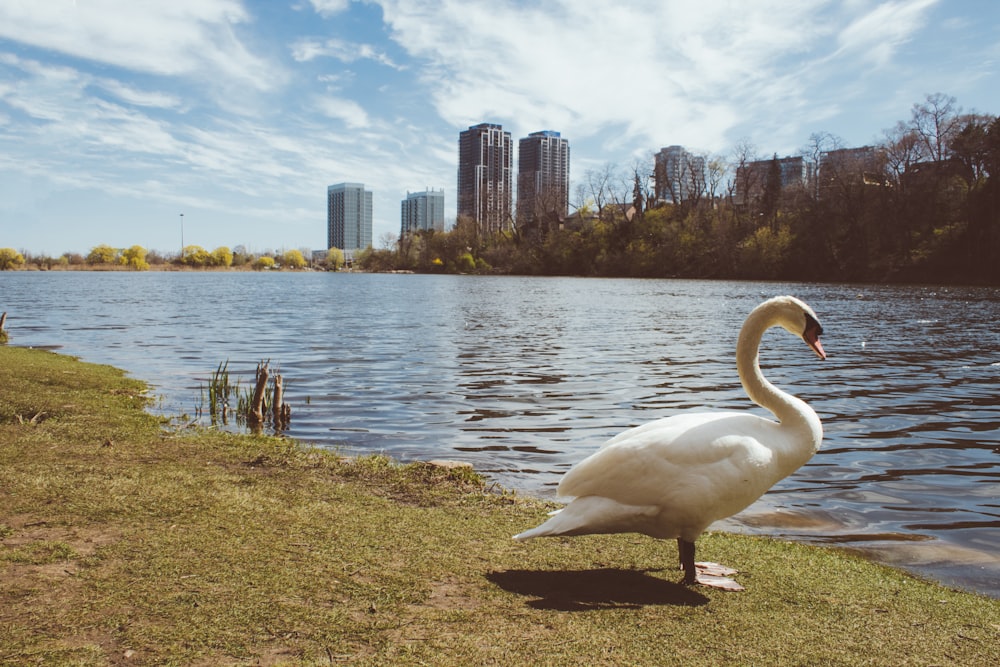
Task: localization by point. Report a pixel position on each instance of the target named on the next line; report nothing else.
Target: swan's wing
(708, 458)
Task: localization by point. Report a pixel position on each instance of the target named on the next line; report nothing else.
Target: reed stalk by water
(258, 405)
(220, 390)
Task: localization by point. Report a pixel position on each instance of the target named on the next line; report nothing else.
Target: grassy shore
(124, 540)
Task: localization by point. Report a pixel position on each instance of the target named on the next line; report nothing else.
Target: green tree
(335, 258)
(10, 259)
(762, 254)
(135, 258)
(465, 263)
(102, 254)
(293, 259)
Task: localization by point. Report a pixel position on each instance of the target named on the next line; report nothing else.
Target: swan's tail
(591, 515)
(540, 531)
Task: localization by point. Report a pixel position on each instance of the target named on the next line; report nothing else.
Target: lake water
(523, 377)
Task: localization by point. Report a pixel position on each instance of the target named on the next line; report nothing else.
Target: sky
(117, 117)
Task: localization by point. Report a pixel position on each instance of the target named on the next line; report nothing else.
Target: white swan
(673, 477)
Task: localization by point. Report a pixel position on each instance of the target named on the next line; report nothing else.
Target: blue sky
(116, 117)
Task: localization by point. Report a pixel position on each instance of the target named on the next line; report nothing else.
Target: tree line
(137, 258)
(922, 205)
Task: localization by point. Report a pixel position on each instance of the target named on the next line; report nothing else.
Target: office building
(846, 167)
(485, 164)
(348, 217)
(421, 212)
(679, 175)
(542, 178)
(751, 179)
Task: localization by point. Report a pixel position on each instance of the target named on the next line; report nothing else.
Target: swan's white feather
(594, 514)
(671, 477)
(692, 468)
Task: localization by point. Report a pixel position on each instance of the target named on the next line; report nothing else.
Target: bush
(10, 259)
(222, 256)
(293, 259)
(135, 258)
(102, 254)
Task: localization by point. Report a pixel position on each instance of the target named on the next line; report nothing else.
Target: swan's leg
(706, 574)
(685, 550)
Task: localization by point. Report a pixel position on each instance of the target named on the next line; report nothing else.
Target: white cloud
(348, 111)
(307, 49)
(651, 72)
(329, 7)
(181, 37)
(654, 68)
(877, 34)
(134, 96)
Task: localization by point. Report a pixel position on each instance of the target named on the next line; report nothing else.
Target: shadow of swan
(583, 590)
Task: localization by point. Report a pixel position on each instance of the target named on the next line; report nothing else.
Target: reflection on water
(525, 376)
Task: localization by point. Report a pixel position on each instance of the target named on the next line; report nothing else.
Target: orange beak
(811, 337)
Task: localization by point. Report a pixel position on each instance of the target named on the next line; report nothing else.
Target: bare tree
(820, 143)
(745, 180)
(640, 175)
(716, 167)
(936, 123)
(903, 149)
(697, 177)
(598, 188)
(387, 241)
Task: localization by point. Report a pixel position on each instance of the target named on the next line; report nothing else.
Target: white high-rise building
(422, 211)
(348, 216)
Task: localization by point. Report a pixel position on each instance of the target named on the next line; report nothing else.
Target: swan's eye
(811, 323)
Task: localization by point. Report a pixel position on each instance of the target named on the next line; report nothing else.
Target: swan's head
(797, 318)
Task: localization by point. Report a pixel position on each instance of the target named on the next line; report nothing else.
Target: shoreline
(927, 558)
(124, 537)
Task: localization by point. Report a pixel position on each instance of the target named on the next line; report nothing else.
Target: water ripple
(525, 376)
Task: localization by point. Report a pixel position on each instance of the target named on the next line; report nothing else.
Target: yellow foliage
(10, 259)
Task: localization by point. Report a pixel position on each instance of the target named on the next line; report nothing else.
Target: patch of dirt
(40, 563)
(449, 596)
(51, 578)
(26, 529)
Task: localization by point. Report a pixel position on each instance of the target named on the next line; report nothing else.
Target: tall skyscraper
(485, 164)
(542, 178)
(348, 216)
(422, 211)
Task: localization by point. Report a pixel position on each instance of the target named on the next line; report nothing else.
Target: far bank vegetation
(137, 258)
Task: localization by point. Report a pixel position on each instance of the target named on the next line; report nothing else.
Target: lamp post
(182, 237)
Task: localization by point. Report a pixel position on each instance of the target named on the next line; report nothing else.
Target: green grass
(126, 540)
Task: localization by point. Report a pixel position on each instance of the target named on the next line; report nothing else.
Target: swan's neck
(793, 413)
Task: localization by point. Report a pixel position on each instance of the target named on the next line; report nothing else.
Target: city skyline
(115, 119)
